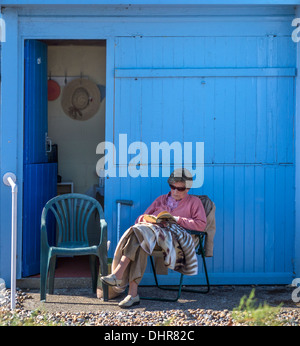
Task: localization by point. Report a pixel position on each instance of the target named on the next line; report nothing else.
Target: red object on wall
(53, 90)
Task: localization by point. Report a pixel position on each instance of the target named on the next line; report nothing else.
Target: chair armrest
(103, 223)
(200, 247)
(196, 232)
(103, 235)
(44, 237)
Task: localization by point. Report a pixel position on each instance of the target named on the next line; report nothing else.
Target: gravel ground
(79, 307)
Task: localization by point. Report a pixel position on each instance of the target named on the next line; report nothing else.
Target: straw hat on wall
(81, 99)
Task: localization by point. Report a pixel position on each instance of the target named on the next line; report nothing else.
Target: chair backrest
(208, 204)
(72, 213)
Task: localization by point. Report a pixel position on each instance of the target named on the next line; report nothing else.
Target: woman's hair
(181, 175)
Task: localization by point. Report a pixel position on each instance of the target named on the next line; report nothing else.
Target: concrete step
(34, 283)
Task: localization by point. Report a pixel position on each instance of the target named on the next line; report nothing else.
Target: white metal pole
(119, 222)
(10, 180)
(13, 242)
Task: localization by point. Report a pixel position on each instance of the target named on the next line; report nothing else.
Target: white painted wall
(77, 140)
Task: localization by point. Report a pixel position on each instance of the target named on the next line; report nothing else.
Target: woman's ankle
(133, 290)
(117, 275)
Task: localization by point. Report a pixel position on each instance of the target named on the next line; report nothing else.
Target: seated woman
(139, 241)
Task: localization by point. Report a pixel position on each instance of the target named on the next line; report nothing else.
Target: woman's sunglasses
(177, 188)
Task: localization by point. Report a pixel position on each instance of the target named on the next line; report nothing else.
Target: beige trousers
(138, 259)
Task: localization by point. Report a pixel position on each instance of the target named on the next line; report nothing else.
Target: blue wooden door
(39, 176)
(36, 102)
(224, 92)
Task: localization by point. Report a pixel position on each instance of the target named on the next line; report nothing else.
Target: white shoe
(111, 280)
(129, 301)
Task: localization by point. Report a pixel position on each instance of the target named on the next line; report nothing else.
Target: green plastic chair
(72, 213)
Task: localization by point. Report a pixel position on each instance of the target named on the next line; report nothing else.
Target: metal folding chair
(199, 251)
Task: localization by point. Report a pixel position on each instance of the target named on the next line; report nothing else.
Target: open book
(162, 216)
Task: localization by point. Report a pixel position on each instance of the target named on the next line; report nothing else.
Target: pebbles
(131, 317)
(5, 298)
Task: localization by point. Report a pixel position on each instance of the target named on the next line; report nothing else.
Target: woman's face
(176, 194)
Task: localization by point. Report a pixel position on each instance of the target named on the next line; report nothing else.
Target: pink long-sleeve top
(189, 210)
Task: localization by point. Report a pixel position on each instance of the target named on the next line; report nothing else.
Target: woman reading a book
(162, 226)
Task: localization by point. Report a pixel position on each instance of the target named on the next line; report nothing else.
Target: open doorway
(72, 134)
(76, 139)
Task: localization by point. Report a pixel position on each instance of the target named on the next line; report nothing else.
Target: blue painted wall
(224, 77)
(245, 118)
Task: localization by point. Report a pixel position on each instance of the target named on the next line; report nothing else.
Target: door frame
(108, 108)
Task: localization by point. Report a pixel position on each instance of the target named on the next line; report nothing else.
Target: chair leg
(184, 289)
(44, 266)
(52, 274)
(94, 274)
(206, 274)
(104, 271)
(178, 289)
